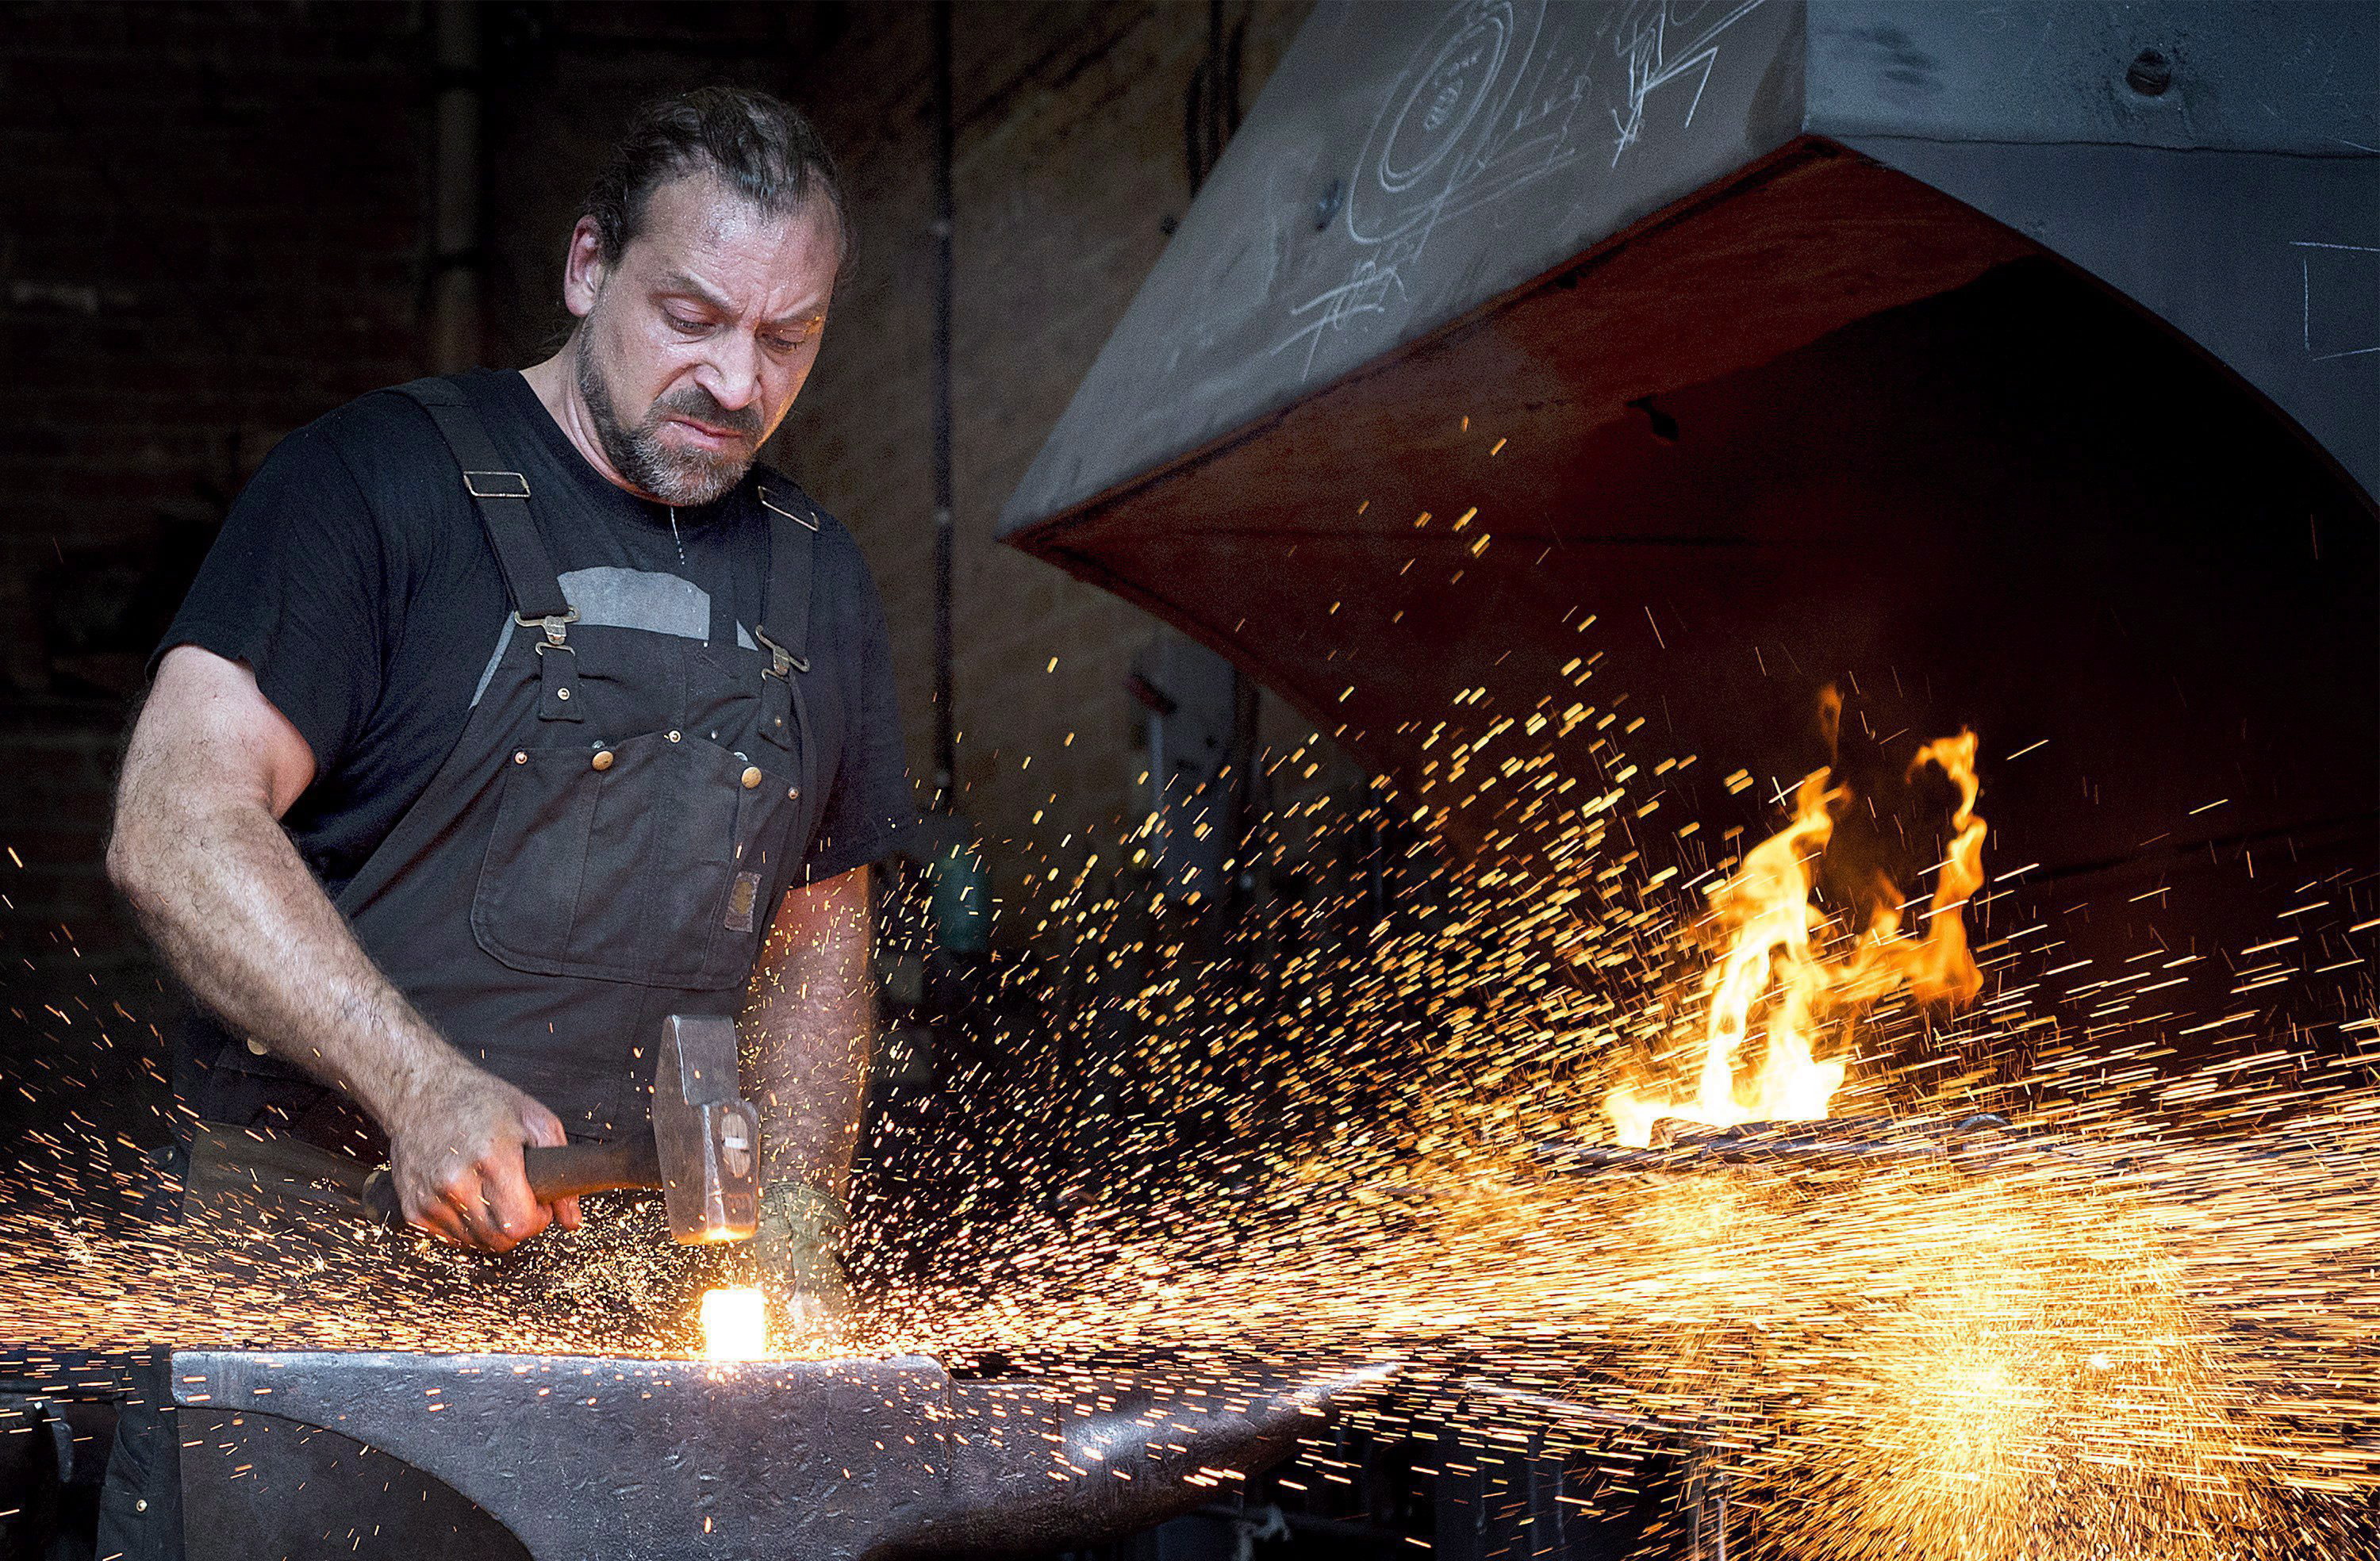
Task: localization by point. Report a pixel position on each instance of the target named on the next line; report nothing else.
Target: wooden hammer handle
(574, 1168)
(564, 1172)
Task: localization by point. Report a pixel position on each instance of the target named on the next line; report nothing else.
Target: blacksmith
(513, 712)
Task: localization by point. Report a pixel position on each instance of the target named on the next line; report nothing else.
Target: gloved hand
(797, 1256)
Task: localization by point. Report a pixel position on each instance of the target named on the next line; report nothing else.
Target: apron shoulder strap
(785, 634)
(502, 498)
(793, 538)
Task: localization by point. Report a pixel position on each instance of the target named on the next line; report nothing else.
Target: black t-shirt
(355, 578)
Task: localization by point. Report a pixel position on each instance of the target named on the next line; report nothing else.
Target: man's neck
(556, 383)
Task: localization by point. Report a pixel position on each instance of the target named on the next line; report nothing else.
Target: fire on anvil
(567, 1457)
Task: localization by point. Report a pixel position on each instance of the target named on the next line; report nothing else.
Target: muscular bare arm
(198, 851)
(809, 1018)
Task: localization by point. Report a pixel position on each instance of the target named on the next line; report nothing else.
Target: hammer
(703, 1152)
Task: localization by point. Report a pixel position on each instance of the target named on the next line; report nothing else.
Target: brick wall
(1070, 170)
(214, 236)
(211, 234)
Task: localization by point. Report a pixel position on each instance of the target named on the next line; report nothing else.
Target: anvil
(568, 1457)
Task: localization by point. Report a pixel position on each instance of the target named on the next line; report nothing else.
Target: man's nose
(731, 371)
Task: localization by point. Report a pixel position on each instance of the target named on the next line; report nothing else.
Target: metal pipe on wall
(945, 720)
(454, 323)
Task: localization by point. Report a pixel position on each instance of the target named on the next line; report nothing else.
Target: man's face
(697, 341)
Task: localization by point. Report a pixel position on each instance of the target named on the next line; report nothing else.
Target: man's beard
(681, 477)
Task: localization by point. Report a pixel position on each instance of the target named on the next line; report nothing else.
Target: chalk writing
(2347, 274)
(1488, 105)
(1667, 46)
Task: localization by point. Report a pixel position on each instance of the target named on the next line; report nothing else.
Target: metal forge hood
(1833, 330)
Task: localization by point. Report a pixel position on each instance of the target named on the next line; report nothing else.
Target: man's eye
(680, 322)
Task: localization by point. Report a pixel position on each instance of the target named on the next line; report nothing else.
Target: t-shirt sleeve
(870, 805)
(294, 586)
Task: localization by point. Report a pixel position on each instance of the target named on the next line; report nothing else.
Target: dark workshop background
(219, 221)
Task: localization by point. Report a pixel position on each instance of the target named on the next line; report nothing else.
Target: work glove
(797, 1256)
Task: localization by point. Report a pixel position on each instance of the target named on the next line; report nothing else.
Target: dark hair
(759, 145)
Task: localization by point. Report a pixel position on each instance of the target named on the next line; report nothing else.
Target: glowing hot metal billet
(586, 1457)
(734, 1324)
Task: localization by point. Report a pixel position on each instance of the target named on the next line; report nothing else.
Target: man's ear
(582, 268)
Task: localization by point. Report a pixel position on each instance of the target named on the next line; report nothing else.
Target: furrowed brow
(678, 282)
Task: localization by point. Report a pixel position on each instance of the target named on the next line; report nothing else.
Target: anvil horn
(1135, 1451)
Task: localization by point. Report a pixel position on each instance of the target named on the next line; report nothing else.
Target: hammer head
(707, 1139)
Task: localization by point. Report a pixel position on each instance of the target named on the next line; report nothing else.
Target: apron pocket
(618, 873)
(768, 816)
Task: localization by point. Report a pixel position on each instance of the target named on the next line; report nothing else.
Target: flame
(1766, 919)
(734, 1324)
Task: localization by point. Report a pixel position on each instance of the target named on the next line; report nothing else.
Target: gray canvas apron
(606, 842)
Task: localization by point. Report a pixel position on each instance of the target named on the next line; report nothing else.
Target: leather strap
(502, 496)
(793, 535)
(786, 636)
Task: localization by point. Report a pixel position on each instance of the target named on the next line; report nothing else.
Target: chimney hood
(2022, 361)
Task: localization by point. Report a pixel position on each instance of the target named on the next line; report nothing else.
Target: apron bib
(605, 844)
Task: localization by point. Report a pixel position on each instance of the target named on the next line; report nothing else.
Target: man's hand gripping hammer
(703, 1152)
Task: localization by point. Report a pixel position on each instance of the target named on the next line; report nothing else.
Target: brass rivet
(140, 1503)
(256, 1045)
(561, 694)
(520, 756)
(603, 760)
(751, 777)
(673, 736)
(793, 794)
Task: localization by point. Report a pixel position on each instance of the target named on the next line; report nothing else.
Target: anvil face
(581, 1455)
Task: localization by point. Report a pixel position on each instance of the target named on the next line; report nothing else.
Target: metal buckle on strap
(785, 659)
(496, 485)
(798, 518)
(556, 626)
